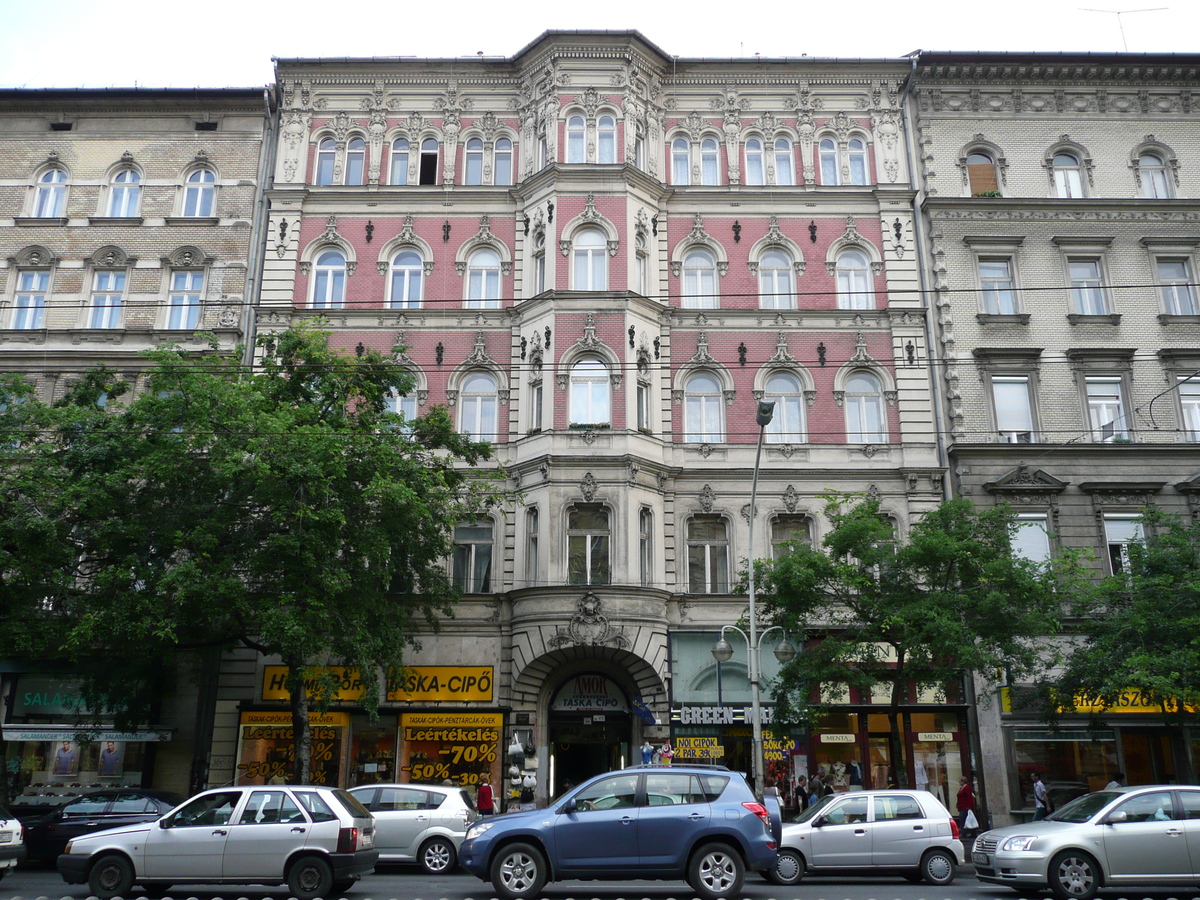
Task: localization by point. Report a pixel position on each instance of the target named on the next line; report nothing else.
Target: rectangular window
(108, 289)
(1119, 533)
(646, 547)
(1014, 414)
(1087, 287)
(30, 304)
(708, 556)
(641, 274)
(531, 546)
(535, 411)
(643, 407)
(789, 528)
(186, 288)
(1175, 280)
(1106, 410)
(587, 544)
(999, 291)
(1031, 539)
(1189, 404)
(472, 564)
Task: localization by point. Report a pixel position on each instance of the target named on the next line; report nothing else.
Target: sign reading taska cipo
(416, 684)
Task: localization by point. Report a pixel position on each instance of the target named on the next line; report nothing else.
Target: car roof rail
(715, 768)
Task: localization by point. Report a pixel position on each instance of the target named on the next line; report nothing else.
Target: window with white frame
(853, 273)
(403, 405)
(408, 280)
(29, 305)
(643, 406)
(708, 555)
(535, 406)
(591, 260)
(703, 410)
(326, 157)
(981, 173)
(755, 172)
(856, 150)
(329, 280)
(479, 406)
(1031, 537)
(775, 281)
(681, 166)
(108, 292)
(472, 562)
(606, 139)
(183, 302)
(399, 162)
(1087, 287)
(428, 171)
(124, 194)
(998, 286)
(51, 197)
(1106, 409)
(700, 280)
(709, 157)
(543, 150)
(646, 546)
(356, 161)
(1155, 183)
(576, 132)
(198, 194)
(539, 264)
(474, 162)
(866, 421)
(827, 151)
(1068, 175)
(785, 168)
(787, 426)
(483, 279)
(532, 535)
(591, 402)
(641, 269)
(588, 544)
(788, 529)
(1175, 283)
(1189, 407)
(1014, 411)
(1119, 532)
(504, 162)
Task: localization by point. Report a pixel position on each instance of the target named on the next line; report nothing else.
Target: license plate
(979, 858)
(6, 837)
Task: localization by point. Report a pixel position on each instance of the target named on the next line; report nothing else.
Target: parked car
(1127, 837)
(12, 844)
(877, 832)
(47, 837)
(709, 834)
(313, 839)
(421, 823)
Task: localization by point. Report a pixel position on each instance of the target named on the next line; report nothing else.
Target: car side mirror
(164, 822)
(1119, 816)
(569, 806)
(819, 821)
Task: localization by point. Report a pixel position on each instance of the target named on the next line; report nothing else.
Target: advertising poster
(267, 751)
(461, 747)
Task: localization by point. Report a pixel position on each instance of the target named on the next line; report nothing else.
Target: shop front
(590, 730)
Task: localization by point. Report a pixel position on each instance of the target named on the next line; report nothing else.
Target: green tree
(913, 615)
(1140, 630)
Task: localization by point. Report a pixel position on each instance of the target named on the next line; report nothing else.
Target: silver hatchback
(1145, 836)
(421, 823)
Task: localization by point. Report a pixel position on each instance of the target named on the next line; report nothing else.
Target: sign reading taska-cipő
(416, 684)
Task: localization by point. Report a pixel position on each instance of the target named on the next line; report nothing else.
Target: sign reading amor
(590, 693)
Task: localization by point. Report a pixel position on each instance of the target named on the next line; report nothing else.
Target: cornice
(1024, 209)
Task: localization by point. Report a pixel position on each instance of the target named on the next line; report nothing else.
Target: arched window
(591, 260)
(51, 194)
(787, 426)
(854, 281)
(329, 283)
(184, 300)
(829, 162)
(429, 162)
(754, 162)
(198, 195)
(681, 166)
(708, 555)
(356, 161)
(775, 281)
(1155, 184)
(708, 162)
(479, 406)
(125, 193)
(399, 169)
(483, 279)
(587, 544)
(474, 173)
(591, 402)
(326, 153)
(407, 281)
(575, 136)
(785, 169)
(703, 410)
(865, 421)
(857, 149)
(1068, 175)
(539, 263)
(504, 155)
(981, 173)
(700, 280)
(607, 139)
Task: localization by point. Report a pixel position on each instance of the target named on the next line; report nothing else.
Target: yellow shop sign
(1131, 701)
(415, 684)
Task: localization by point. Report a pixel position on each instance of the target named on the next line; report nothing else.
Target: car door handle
(918, 828)
(220, 831)
(625, 820)
(1174, 832)
(297, 831)
(860, 831)
(695, 817)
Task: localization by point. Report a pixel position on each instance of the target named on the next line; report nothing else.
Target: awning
(78, 733)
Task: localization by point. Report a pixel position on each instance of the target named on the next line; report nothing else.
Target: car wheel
(518, 872)
(342, 885)
(789, 868)
(437, 856)
(1074, 876)
(937, 867)
(716, 871)
(111, 876)
(310, 877)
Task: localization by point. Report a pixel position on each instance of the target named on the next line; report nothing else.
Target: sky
(229, 43)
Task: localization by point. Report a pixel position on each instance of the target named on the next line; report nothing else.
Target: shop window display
(1070, 761)
(267, 751)
(372, 752)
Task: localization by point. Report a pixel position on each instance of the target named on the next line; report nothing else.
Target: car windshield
(815, 810)
(353, 806)
(1083, 808)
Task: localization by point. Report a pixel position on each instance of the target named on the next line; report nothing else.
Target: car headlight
(479, 828)
(1020, 842)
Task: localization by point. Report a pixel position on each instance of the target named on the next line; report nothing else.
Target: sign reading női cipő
(413, 684)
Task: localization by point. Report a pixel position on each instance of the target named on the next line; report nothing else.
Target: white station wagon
(316, 840)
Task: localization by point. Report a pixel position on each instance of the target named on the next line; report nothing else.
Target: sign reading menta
(934, 736)
(590, 693)
(415, 683)
(838, 738)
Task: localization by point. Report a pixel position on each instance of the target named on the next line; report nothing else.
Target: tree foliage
(912, 615)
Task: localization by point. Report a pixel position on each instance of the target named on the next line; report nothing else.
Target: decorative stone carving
(589, 627)
(707, 498)
(587, 487)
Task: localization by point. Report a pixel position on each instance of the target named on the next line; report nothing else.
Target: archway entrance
(591, 730)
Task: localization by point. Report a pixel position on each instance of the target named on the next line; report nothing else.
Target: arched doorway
(590, 730)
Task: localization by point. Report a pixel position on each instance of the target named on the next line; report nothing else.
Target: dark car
(701, 824)
(47, 837)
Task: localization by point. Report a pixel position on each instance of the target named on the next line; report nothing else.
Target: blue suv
(698, 823)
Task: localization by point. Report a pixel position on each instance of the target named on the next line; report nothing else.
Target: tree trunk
(899, 763)
(301, 732)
